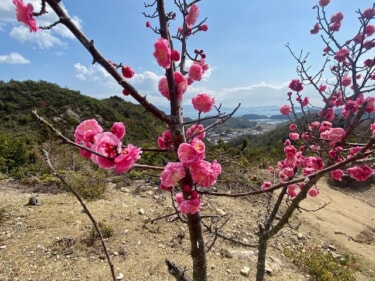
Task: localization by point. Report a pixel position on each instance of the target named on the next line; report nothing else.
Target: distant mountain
(267, 111)
(254, 116)
(66, 109)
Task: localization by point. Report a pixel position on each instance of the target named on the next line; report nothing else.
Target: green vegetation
(14, 152)
(105, 230)
(66, 109)
(323, 266)
(89, 186)
(21, 135)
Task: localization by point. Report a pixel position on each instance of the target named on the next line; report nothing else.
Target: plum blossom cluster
(320, 136)
(105, 148)
(335, 138)
(335, 24)
(191, 160)
(295, 160)
(165, 56)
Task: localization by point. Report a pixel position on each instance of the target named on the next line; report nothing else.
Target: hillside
(66, 108)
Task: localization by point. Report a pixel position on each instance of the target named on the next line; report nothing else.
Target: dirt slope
(50, 242)
(348, 221)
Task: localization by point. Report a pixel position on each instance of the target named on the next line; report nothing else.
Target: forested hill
(66, 108)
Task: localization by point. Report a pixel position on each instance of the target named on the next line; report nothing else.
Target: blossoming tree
(327, 144)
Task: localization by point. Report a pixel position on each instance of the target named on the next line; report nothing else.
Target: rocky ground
(53, 241)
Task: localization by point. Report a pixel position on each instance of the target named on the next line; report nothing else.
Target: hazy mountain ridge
(66, 108)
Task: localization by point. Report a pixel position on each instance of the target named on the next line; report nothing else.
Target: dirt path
(348, 221)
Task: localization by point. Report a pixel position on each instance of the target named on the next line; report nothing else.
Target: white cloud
(44, 39)
(146, 81)
(95, 77)
(13, 58)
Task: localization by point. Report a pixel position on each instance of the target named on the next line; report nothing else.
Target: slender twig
(163, 217)
(86, 211)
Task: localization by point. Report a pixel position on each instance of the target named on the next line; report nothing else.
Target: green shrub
(323, 266)
(89, 186)
(105, 230)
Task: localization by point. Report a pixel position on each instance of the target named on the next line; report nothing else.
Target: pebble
(225, 253)
(120, 276)
(245, 271)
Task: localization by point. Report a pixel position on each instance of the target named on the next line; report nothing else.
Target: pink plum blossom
(180, 84)
(324, 126)
(369, 62)
(196, 131)
(195, 72)
(188, 153)
(188, 206)
(333, 134)
(127, 158)
(162, 53)
(204, 173)
(296, 85)
(293, 190)
(372, 128)
(337, 174)
(370, 104)
(127, 71)
(175, 55)
(203, 27)
(315, 29)
(369, 13)
(165, 141)
(341, 55)
(292, 127)
(313, 192)
(323, 3)
(338, 17)
(84, 134)
(203, 102)
(346, 81)
(285, 109)
(360, 173)
(305, 136)
(358, 38)
(370, 30)
(118, 129)
(265, 185)
(322, 88)
(192, 15)
(172, 173)
(354, 150)
(25, 14)
(108, 145)
(294, 136)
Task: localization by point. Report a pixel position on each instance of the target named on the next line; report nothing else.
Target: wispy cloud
(44, 40)
(13, 58)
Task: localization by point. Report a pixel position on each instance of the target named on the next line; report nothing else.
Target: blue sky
(245, 47)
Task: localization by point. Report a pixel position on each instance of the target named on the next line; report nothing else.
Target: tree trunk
(262, 252)
(198, 252)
